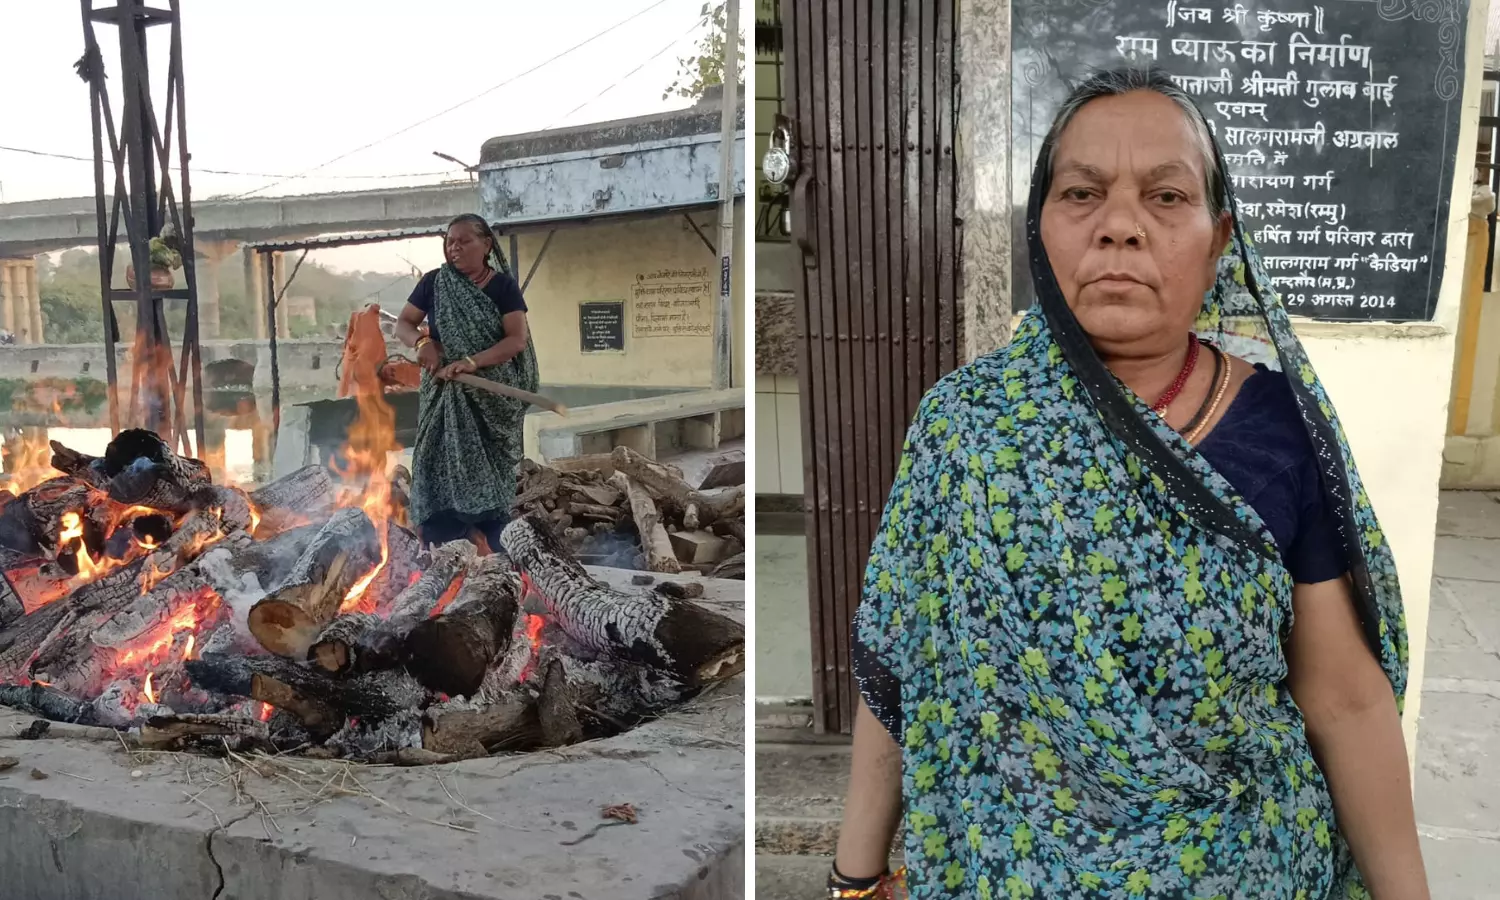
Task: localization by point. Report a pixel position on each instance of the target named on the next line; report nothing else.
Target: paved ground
(1458, 752)
(799, 786)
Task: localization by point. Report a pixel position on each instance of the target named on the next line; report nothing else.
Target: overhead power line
(626, 77)
(89, 159)
(462, 103)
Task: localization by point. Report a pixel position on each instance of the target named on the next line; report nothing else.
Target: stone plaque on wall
(1338, 119)
(601, 325)
(672, 303)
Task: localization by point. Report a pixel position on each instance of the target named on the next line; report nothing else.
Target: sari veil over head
(1086, 622)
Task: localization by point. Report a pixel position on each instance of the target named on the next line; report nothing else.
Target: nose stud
(1139, 231)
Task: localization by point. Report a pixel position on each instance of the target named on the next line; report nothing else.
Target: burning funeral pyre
(139, 595)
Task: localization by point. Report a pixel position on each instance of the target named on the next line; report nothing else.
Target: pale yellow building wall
(614, 261)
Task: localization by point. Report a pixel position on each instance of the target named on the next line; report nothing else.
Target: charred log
(404, 560)
(79, 466)
(692, 643)
(306, 495)
(452, 652)
(40, 700)
(367, 643)
(143, 470)
(23, 639)
(31, 523)
(655, 543)
(344, 551)
(319, 702)
(466, 730)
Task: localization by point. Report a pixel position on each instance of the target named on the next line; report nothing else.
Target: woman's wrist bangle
(422, 341)
(470, 361)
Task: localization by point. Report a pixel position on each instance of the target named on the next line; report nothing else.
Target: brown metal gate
(872, 90)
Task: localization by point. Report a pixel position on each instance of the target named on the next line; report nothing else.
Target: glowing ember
(263, 713)
(152, 574)
(146, 690)
(447, 597)
(150, 648)
(254, 518)
(535, 625)
(187, 652)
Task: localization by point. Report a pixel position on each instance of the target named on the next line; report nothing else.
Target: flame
(147, 692)
(28, 461)
(187, 652)
(535, 625)
(254, 519)
(264, 712)
(154, 571)
(447, 597)
(147, 543)
(72, 529)
(150, 648)
(372, 438)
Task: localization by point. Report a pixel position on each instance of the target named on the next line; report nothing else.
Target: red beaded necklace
(1160, 406)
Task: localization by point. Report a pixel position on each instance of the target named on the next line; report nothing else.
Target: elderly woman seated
(1130, 628)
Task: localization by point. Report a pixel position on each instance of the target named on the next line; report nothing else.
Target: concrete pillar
(278, 274)
(34, 295)
(255, 288)
(9, 298)
(984, 179)
(211, 256)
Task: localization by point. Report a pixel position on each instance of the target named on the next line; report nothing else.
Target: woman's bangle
(422, 341)
(470, 361)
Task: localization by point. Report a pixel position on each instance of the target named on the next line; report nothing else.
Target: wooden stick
(506, 390)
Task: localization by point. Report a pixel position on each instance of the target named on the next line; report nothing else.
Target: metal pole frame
(723, 329)
(146, 196)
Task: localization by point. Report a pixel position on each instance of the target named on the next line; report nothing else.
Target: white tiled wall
(778, 435)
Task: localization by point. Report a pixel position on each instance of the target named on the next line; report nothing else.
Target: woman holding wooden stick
(469, 442)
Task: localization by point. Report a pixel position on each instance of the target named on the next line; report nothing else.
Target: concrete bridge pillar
(255, 289)
(211, 255)
(21, 300)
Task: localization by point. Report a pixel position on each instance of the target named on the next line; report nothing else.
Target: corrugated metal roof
(347, 240)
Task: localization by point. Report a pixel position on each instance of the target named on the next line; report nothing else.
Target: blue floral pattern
(1092, 682)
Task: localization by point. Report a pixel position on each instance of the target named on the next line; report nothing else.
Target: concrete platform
(95, 830)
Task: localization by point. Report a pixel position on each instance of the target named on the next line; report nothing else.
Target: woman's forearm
(1363, 756)
(407, 333)
(872, 811)
(503, 352)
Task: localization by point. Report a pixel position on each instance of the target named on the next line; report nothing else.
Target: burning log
(232, 503)
(451, 652)
(466, 730)
(319, 702)
(26, 637)
(343, 552)
(32, 522)
(690, 642)
(79, 466)
(405, 560)
(306, 495)
(144, 471)
(360, 643)
(163, 732)
(655, 541)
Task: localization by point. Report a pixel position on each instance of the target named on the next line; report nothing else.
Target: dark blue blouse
(1261, 447)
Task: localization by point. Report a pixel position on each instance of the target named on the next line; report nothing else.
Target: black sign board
(601, 325)
(1339, 120)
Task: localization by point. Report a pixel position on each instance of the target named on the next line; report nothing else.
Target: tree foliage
(705, 67)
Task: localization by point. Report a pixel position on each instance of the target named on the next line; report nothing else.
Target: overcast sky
(277, 87)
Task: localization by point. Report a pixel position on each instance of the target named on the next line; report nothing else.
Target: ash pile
(136, 595)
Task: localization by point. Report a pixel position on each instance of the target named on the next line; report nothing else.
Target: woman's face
(465, 247)
(1123, 167)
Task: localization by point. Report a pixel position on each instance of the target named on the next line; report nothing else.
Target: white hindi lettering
(1318, 91)
(1228, 108)
(1252, 157)
(1367, 140)
(1397, 239)
(1341, 54)
(1189, 14)
(1269, 18)
(1383, 91)
(1130, 47)
(1237, 136)
(1319, 182)
(1258, 85)
(1259, 51)
(1346, 263)
(1206, 84)
(1279, 158)
(1390, 262)
(1199, 50)
(1296, 262)
(1236, 13)
(1342, 235)
(1273, 234)
(1264, 182)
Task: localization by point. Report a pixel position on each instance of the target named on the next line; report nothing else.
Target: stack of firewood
(622, 509)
